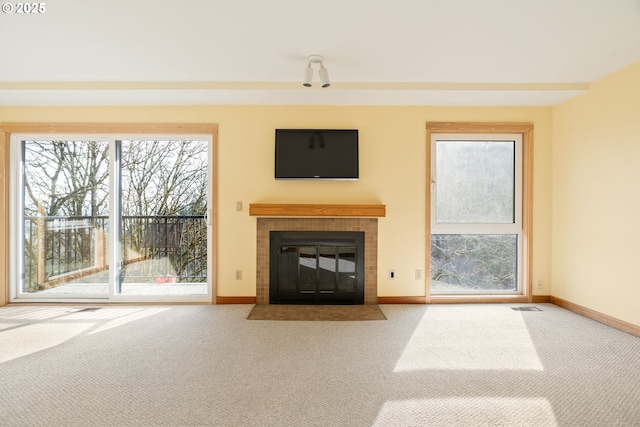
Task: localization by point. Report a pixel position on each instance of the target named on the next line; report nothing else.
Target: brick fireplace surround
(319, 218)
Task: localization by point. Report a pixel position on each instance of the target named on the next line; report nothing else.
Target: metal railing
(60, 249)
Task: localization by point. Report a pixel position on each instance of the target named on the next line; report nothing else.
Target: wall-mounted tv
(316, 154)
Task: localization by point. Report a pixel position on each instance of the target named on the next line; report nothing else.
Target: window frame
(474, 130)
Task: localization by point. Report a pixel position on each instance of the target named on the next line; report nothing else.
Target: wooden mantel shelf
(316, 210)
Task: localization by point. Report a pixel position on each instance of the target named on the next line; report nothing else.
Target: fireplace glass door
(316, 272)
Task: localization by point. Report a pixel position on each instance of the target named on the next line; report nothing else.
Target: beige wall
(596, 197)
(392, 172)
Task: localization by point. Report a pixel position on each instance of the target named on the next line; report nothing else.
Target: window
(477, 227)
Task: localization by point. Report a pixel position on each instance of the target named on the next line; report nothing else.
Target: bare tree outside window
(473, 262)
(163, 201)
(65, 209)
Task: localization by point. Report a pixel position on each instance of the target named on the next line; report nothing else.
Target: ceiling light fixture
(322, 72)
(308, 76)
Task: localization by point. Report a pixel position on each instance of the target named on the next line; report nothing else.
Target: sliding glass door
(111, 218)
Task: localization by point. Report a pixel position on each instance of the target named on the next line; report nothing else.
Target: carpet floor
(316, 312)
(426, 365)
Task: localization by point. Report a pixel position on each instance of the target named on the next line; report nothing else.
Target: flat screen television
(316, 154)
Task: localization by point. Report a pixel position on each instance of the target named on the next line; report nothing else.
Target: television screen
(316, 154)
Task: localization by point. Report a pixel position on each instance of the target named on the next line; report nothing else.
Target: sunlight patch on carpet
(467, 412)
(119, 317)
(23, 340)
(481, 337)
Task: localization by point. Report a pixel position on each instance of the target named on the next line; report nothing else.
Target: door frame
(6, 131)
(526, 131)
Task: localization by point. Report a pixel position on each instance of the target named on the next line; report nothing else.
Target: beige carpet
(202, 365)
(316, 312)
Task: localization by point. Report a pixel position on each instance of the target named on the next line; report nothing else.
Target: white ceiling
(401, 52)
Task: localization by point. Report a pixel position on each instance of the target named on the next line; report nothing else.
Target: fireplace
(266, 224)
(316, 267)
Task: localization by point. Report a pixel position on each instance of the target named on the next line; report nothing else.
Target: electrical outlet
(239, 206)
(418, 274)
(392, 274)
(238, 274)
(539, 285)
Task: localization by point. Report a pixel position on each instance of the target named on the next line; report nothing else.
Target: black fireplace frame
(278, 239)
